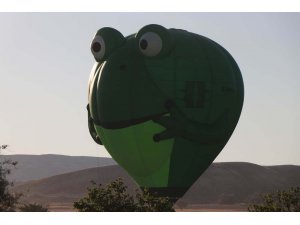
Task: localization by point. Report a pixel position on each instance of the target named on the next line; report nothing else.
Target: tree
(8, 200)
(114, 198)
(33, 207)
(279, 201)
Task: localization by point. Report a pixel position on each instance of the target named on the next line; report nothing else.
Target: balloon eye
(98, 48)
(143, 44)
(150, 44)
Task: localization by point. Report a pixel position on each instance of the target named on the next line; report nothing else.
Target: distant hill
(240, 182)
(232, 184)
(32, 167)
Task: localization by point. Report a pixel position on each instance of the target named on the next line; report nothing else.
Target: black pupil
(96, 47)
(143, 44)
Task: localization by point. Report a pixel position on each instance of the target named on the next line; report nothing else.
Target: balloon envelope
(164, 103)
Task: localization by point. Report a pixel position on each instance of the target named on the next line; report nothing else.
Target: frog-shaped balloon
(163, 102)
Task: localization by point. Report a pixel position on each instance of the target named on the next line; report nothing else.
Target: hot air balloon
(164, 103)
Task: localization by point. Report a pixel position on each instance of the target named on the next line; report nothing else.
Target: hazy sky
(45, 62)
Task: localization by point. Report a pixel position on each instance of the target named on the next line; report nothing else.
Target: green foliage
(114, 198)
(33, 207)
(147, 202)
(8, 200)
(279, 201)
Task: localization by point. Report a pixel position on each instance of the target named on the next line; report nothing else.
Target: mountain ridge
(32, 167)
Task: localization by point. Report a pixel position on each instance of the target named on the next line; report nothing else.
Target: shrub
(33, 207)
(114, 198)
(279, 201)
(8, 200)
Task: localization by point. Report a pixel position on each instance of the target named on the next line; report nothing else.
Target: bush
(147, 202)
(279, 201)
(33, 207)
(8, 200)
(114, 198)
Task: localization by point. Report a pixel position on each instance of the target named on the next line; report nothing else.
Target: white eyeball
(150, 44)
(98, 47)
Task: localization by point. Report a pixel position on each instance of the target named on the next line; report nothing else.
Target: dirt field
(68, 207)
(213, 208)
(61, 207)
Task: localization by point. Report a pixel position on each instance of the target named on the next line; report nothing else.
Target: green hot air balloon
(163, 102)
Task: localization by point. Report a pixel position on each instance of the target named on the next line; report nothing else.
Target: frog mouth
(126, 123)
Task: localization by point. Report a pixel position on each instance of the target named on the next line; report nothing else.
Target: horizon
(109, 157)
(45, 61)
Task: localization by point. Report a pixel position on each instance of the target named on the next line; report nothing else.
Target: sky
(45, 61)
